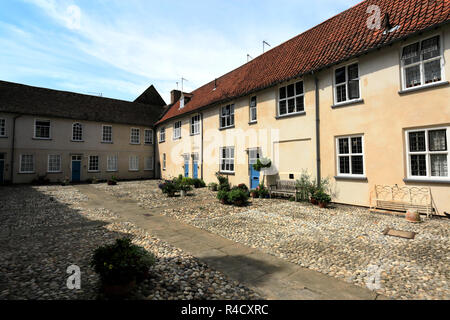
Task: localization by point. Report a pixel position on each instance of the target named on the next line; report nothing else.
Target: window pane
(283, 107)
(411, 54)
(253, 102)
(357, 165)
(357, 145)
(291, 105)
(353, 89)
(439, 166)
(340, 75)
(290, 90)
(417, 141)
(418, 165)
(283, 93)
(341, 93)
(299, 88)
(438, 140)
(432, 71)
(300, 104)
(344, 165)
(412, 76)
(353, 72)
(343, 146)
(431, 48)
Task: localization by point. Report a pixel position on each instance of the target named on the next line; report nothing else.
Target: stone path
(269, 276)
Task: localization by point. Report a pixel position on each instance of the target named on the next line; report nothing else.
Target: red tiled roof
(341, 37)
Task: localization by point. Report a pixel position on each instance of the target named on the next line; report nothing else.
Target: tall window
(195, 125)
(134, 163)
(93, 164)
(162, 134)
(107, 134)
(2, 127)
(422, 63)
(42, 129)
(227, 159)
(177, 130)
(54, 163)
(164, 161)
(112, 163)
(148, 163)
(26, 163)
(148, 136)
(253, 113)
(77, 132)
(428, 154)
(350, 156)
(347, 83)
(291, 99)
(135, 137)
(227, 116)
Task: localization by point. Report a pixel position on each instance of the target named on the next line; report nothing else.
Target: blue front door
(186, 169)
(254, 178)
(2, 164)
(76, 171)
(195, 170)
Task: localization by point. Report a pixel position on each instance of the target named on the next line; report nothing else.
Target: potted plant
(238, 197)
(213, 186)
(112, 181)
(322, 198)
(254, 193)
(121, 265)
(222, 195)
(262, 191)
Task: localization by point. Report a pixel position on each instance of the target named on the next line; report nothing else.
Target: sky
(118, 48)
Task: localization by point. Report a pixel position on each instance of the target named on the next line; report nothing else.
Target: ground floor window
(27, 163)
(112, 163)
(134, 163)
(149, 163)
(164, 161)
(227, 159)
(54, 163)
(428, 154)
(350, 156)
(93, 164)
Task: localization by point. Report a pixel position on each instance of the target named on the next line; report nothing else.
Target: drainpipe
(154, 153)
(13, 146)
(201, 152)
(316, 81)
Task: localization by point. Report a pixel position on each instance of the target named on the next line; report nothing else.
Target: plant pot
(118, 290)
(314, 201)
(239, 203)
(412, 215)
(183, 193)
(323, 204)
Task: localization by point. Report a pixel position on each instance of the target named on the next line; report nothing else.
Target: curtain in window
(411, 54)
(438, 140)
(439, 166)
(430, 48)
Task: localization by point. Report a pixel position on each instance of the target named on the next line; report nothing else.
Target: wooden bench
(395, 198)
(284, 188)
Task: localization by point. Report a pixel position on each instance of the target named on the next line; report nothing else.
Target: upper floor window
(346, 82)
(428, 155)
(291, 99)
(2, 127)
(177, 130)
(54, 163)
(107, 134)
(162, 134)
(227, 116)
(195, 125)
(77, 132)
(350, 156)
(26, 163)
(135, 137)
(42, 129)
(227, 159)
(148, 136)
(253, 113)
(422, 63)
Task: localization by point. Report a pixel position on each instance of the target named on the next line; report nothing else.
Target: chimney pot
(175, 95)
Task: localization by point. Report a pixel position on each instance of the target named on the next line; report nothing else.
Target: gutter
(154, 154)
(319, 178)
(13, 147)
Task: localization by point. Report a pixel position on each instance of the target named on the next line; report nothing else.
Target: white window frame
(148, 139)
(98, 163)
(147, 161)
(81, 132)
(59, 160)
(134, 130)
(162, 135)
(227, 160)
(427, 154)
(177, 130)
(133, 163)
(164, 161)
(110, 161)
(33, 163)
(49, 129)
(195, 125)
(253, 108)
(2, 127)
(103, 133)
(422, 62)
(295, 96)
(346, 83)
(349, 155)
(228, 118)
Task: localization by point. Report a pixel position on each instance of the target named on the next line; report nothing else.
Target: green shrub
(213, 186)
(238, 197)
(122, 262)
(263, 192)
(243, 187)
(170, 188)
(222, 195)
(185, 184)
(322, 196)
(199, 183)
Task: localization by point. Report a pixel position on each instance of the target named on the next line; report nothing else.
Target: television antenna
(264, 45)
(249, 57)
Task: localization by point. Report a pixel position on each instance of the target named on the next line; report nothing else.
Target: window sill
(175, 139)
(133, 170)
(46, 139)
(349, 178)
(107, 142)
(424, 87)
(89, 171)
(33, 172)
(225, 128)
(194, 134)
(135, 144)
(112, 170)
(162, 141)
(76, 140)
(434, 181)
(302, 113)
(148, 170)
(148, 144)
(347, 103)
(3, 137)
(54, 172)
(253, 122)
(227, 173)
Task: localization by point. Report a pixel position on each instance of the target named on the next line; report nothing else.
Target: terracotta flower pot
(412, 215)
(314, 201)
(118, 290)
(323, 204)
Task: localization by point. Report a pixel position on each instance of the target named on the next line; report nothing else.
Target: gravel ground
(344, 242)
(43, 230)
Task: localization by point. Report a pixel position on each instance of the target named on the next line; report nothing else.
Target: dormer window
(182, 102)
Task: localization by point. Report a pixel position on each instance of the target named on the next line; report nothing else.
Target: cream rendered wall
(60, 143)
(382, 119)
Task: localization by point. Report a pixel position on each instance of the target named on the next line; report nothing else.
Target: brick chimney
(175, 95)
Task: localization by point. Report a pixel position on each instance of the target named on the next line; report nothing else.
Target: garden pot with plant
(121, 266)
(254, 194)
(322, 198)
(112, 181)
